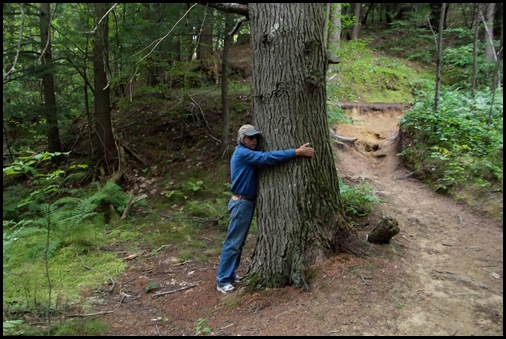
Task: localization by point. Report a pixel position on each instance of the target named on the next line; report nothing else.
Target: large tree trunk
(53, 133)
(105, 144)
(299, 216)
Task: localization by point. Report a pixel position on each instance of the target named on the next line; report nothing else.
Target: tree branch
(237, 26)
(489, 34)
(131, 203)
(87, 315)
(155, 44)
(102, 18)
(235, 8)
(174, 291)
(20, 35)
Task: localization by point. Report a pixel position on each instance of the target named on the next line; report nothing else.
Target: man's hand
(304, 151)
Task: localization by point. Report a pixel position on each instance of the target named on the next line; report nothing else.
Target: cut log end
(386, 229)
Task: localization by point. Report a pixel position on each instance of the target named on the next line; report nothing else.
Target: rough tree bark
(300, 219)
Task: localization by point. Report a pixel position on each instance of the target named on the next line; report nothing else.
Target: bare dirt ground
(442, 275)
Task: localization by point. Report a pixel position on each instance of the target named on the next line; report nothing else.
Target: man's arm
(275, 157)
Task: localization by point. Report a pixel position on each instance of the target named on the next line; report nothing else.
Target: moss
(26, 287)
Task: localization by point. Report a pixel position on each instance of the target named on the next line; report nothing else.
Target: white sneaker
(226, 288)
(237, 279)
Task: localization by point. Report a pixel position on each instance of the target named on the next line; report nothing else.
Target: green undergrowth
(61, 244)
(366, 75)
(458, 150)
(358, 200)
(73, 327)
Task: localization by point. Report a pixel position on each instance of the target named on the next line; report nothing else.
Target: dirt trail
(441, 275)
(452, 258)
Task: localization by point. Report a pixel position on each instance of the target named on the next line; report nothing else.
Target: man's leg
(241, 214)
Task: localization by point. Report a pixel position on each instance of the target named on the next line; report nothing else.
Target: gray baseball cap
(248, 130)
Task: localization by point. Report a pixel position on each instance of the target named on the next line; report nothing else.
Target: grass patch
(368, 76)
(26, 286)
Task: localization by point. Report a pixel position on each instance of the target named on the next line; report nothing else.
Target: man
(243, 170)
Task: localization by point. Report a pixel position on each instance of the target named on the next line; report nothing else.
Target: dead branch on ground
(174, 291)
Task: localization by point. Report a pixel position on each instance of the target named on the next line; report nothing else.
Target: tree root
(342, 140)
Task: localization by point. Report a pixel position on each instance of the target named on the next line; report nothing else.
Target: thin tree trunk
(105, 144)
(50, 109)
(335, 31)
(366, 15)
(224, 82)
(326, 26)
(476, 25)
(357, 26)
(206, 37)
(496, 78)
(489, 32)
(439, 47)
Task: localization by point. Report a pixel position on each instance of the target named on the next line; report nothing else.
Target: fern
(115, 195)
(84, 209)
(11, 197)
(12, 327)
(76, 177)
(24, 232)
(68, 200)
(200, 209)
(50, 215)
(79, 216)
(39, 250)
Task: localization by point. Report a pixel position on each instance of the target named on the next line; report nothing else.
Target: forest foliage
(59, 208)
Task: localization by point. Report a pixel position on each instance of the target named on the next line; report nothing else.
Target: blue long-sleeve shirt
(244, 163)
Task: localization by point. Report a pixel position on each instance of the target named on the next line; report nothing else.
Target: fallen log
(345, 139)
(342, 140)
(340, 143)
(386, 229)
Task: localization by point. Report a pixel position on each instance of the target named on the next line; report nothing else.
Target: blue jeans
(241, 214)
